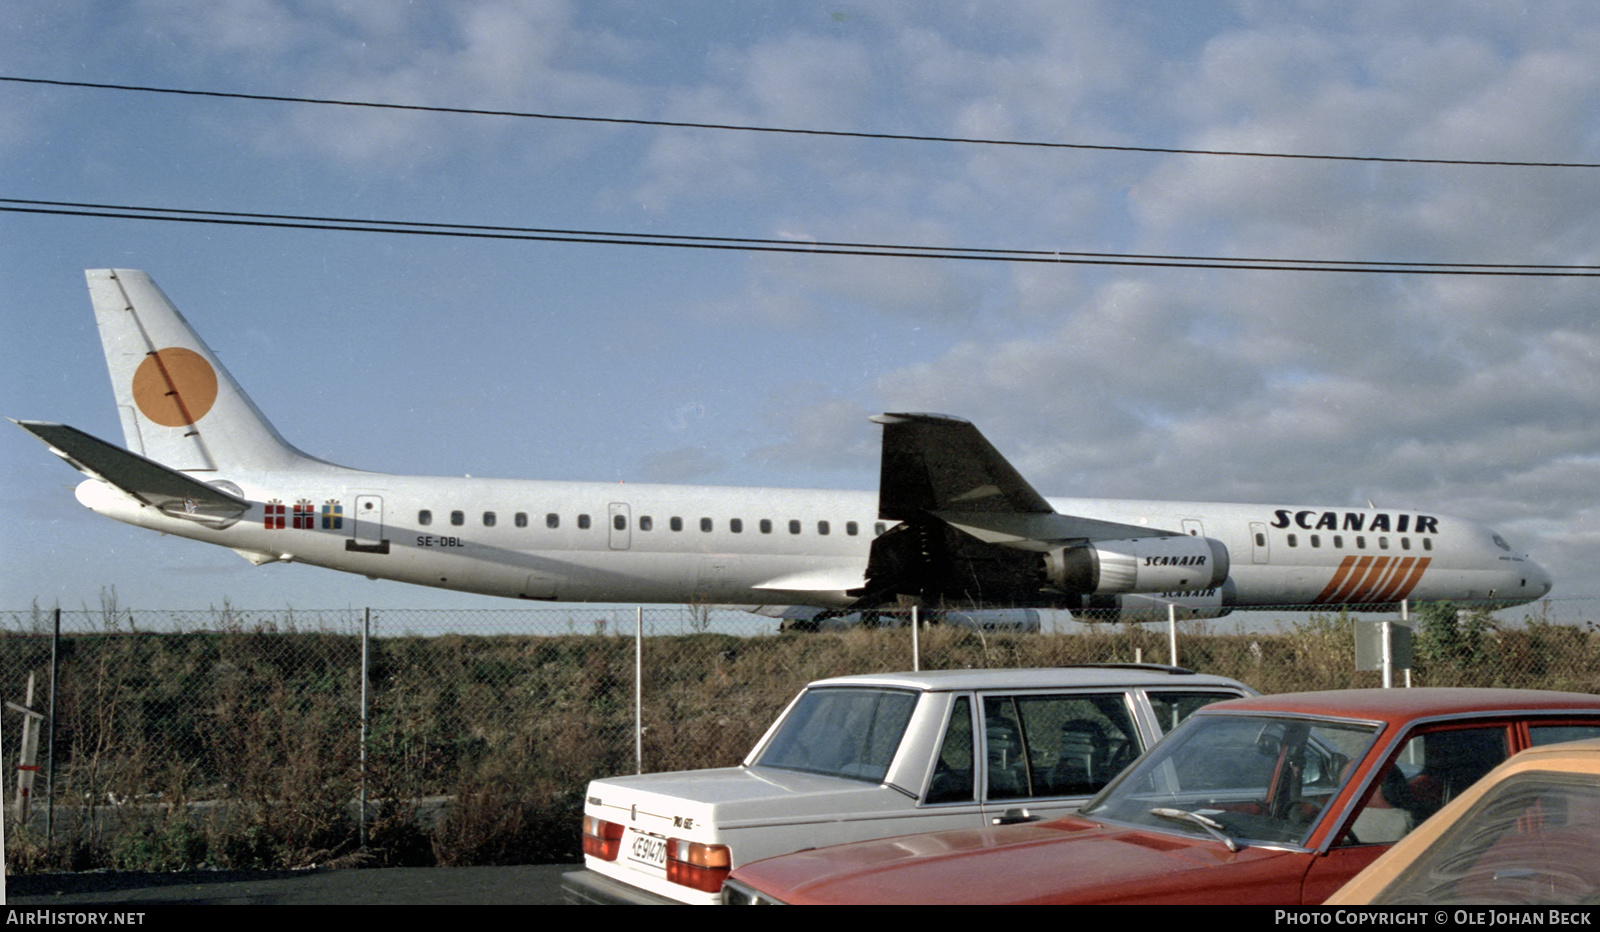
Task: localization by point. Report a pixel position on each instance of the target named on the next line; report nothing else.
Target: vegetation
(241, 746)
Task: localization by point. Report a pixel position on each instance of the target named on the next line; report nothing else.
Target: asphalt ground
(530, 885)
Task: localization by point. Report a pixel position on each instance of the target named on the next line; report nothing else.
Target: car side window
(952, 773)
(1555, 734)
(1431, 769)
(1042, 746)
(1172, 708)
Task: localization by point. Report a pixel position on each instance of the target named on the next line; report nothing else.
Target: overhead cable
(734, 127)
(751, 244)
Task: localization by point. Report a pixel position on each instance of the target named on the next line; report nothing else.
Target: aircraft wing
(973, 533)
(145, 480)
(941, 466)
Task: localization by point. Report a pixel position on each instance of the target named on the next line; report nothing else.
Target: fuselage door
(620, 528)
(1258, 543)
(366, 528)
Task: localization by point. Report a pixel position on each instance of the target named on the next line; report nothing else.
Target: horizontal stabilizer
(145, 480)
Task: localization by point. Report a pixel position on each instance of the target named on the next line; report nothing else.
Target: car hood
(738, 798)
(1071, 860)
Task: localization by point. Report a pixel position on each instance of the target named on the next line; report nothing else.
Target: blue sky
(1471, 396)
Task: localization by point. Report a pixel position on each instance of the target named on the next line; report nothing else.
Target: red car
(1275, 799)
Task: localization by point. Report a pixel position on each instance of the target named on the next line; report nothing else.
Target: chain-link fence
(236, 738)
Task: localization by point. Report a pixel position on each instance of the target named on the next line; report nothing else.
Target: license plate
(646, 849)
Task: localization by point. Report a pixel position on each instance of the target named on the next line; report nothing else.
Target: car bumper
(587, 888)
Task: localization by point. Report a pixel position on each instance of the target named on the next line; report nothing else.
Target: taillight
(700, 867)
(601, 839)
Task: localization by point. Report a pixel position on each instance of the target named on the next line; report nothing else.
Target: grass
(242, 747)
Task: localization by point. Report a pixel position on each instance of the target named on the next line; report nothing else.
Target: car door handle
(1014, 816)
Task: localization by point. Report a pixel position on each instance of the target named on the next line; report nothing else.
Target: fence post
(1172, 633)
(50, 736)
(638, 689)
(366, 632)
(916, 642)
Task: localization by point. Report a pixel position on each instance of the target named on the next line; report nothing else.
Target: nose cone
(1538, 580)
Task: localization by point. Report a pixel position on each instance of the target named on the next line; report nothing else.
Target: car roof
(1113, 675)
(1402, 705)
(1581, 756)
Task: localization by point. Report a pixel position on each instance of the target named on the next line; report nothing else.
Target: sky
(1473, 396)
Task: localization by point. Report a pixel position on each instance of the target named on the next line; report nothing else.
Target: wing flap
(1041, 532)
(143, 479)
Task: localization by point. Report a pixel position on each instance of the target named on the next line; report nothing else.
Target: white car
(859, 757)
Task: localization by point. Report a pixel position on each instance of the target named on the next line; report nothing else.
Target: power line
(750, 244)
(734, 127)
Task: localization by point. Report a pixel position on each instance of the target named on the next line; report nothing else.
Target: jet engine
(1144, 564)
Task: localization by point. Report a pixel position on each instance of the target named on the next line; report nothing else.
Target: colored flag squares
(304, 515)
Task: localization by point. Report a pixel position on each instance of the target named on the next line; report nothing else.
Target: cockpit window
(1501, 542)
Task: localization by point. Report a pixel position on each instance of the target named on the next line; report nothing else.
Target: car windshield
(842, 732)
(1256, 778)
(1532, 839)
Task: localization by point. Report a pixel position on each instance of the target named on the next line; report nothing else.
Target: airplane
(952, 526)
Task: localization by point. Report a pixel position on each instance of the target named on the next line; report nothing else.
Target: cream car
(862, 757)
(1526, 834)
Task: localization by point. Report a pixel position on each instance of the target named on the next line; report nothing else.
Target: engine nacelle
(1143, 564)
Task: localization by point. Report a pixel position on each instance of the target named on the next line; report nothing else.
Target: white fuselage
(624, 542)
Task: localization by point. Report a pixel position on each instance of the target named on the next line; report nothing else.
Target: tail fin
(178, 405)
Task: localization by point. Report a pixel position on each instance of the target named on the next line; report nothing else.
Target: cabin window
(458, 518)
(1383, 543)
(822, 528)
(583, 522)
(675, 523)
(488, 519)
(645, 523)
(766, 525)
(1316, 540)
(620, 522)
(1338, 541)
(1294, 541)
(736, 525)
(424, 517)
(1361, 542)
(851, 528)
(705, 525)
(552, 520)
(879, 528)
(1427, 543)
(794, 526)
(1261, 539)
(521, 520)
(1405, 543)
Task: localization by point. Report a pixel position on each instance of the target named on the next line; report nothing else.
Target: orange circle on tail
(174, 387)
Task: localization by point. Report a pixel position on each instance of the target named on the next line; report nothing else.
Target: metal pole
(1172, 633)
(50, 735)
(916, 641)
(366, 634)
(1387, 629)
(1405, 619)
(638, 689)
